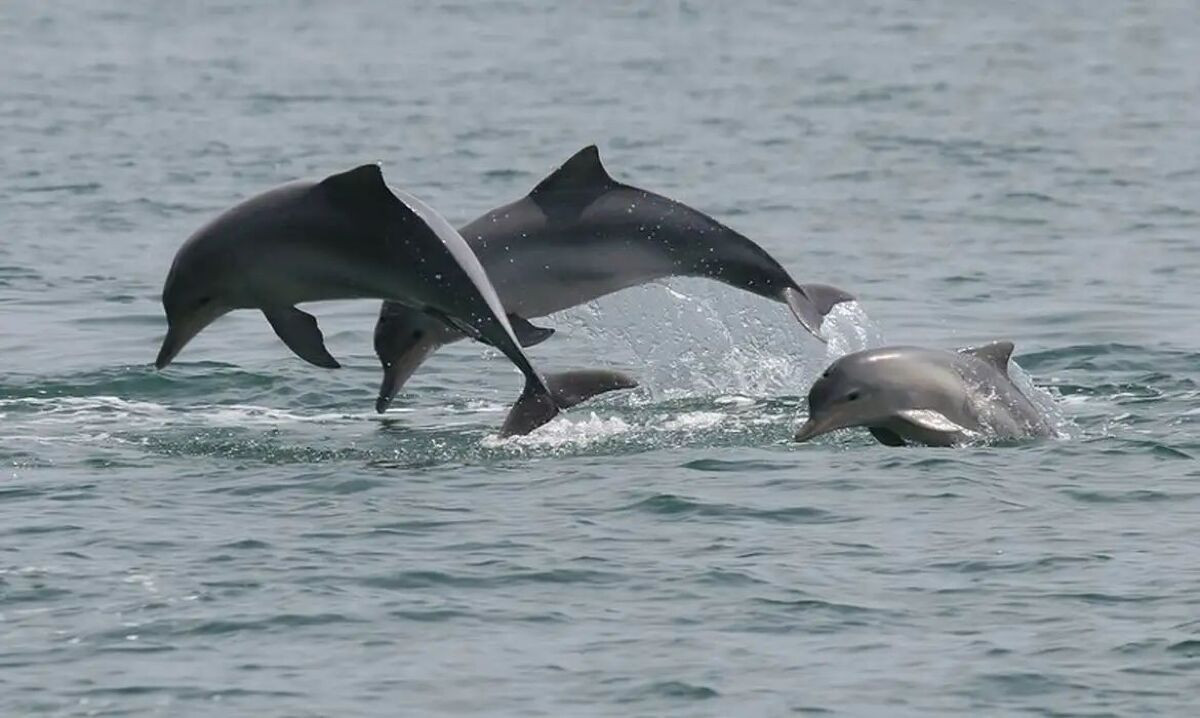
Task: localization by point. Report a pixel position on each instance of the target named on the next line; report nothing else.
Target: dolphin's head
(850, 392)
(873, 387)
(196, 292)
(404, 337)
(287, 245)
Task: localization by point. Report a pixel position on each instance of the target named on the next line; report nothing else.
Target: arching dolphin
(923, 396)
(580, 235)
(350, 236)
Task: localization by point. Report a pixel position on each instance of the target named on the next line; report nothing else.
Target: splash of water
(1044, 400)
(685, 342)
(565, 431)
(848, 329)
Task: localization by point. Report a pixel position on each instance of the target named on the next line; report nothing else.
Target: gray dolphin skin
(924, 396)
(350, 236)
(578, 236)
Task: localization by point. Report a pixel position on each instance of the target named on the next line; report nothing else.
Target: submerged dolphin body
(578, 236)
(350, 236)
(923, 396)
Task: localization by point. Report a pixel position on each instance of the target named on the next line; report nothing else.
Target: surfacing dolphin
(924, 396)
(578, 236)
(350, 236)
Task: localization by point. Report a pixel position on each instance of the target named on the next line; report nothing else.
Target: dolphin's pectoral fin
(300, 332)
(811, 302)
(996, 353)
(932, 421)
(887, 437)
(527, 334)
(457, 324)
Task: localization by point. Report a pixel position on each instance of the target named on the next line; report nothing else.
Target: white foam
(735, 400)
(692, 421)
(109, 411)
(564, 431)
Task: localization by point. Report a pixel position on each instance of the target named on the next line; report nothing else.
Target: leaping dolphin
(579, 235)
(350, 236)
(924, 396)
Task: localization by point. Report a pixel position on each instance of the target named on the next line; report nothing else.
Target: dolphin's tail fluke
(539, 404)
(811, 302)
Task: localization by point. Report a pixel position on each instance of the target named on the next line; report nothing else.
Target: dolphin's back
(997, 401)
(586, 235)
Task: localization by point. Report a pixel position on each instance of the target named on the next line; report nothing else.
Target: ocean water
(241, 535)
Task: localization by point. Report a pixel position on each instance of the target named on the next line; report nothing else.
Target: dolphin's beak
(816, 427)
(400, 358)
(388, 388)
(170, 347)
(179, 333)
(397, 371)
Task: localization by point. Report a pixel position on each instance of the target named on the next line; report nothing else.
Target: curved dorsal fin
(583, 171)
(361, 184)
(995, 353)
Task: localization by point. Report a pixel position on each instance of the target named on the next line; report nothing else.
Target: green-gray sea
(241, 535)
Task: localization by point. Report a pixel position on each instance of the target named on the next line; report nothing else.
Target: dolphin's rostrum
(579, 235)
(350, 236)
(925, 396)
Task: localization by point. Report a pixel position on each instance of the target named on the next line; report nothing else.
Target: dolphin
(924, 396)
(579, 235)
(351, 236)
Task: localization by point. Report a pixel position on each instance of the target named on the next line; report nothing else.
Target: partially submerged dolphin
(578, 236)
(350, 236)
(923, 396)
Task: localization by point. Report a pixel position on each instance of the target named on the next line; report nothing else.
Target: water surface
(242, 535)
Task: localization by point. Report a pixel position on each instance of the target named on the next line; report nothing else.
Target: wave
(720, 372)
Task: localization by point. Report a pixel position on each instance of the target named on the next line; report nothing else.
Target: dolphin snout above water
(578, 236)
(351, 236)
(923, 396)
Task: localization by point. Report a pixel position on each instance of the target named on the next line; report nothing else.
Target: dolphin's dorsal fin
(582, 172)
(996, 353)
(364, 182)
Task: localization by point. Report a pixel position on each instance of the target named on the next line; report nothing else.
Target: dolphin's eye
(203, 301)
(852, 396)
